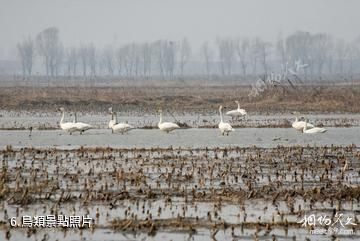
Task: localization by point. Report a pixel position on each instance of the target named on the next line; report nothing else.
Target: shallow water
(243, 137)
(50, 120)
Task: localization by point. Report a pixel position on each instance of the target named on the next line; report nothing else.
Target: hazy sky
(121, 21)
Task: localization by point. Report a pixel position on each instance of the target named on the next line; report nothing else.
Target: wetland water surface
(50, 120)
(140, 138)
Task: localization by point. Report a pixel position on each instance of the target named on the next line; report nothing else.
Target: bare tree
(321, 47)
(299, 47)
(262, 49)
(160, 55)
(109, 59)
(318, 52)
(136, 55)
(207, 54)
(26, 53)
(49, 47)
(352, 58)
(242, 49)
(146, 58)
(58, 61)
(281, 50)
(226, 49)
(185, 54)
(165, 52)
(330, 54)
(128, 54)
(72, 59)
(170, 50)
(92, 59)
(341, 50)
(120, 60)
(254, 57)
(83, 54)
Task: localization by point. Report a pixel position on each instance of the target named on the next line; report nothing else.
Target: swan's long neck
(238, 106)
(75, 118)
(296, 119)
(160, 118)
(62, 117)
(116, 117)
(221, 118)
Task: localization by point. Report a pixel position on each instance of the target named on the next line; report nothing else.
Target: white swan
(237, 112)
(119, 127)
(224, 127)
(299, 125)
(112, 122)
(80, 126)
(166, 126)
(69, 127)
(313, 130)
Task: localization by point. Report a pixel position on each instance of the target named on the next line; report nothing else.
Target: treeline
(322, 53)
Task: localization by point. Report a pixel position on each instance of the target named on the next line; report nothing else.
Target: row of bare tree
(226, 56)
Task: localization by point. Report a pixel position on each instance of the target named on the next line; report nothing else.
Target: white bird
(238, 112)
(119, 127)
(313, 130)
(80, 126)
(224, 127)
(299, 125)
(112, 122)
(166, 126)
(69, 127)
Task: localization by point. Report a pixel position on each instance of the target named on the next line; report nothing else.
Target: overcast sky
(121, 21)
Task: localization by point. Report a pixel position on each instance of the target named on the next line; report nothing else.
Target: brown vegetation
(183, 99)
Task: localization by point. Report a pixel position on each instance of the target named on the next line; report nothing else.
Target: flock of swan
(224, 127)
(73, 126)
(307, 127)
(118, 127)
